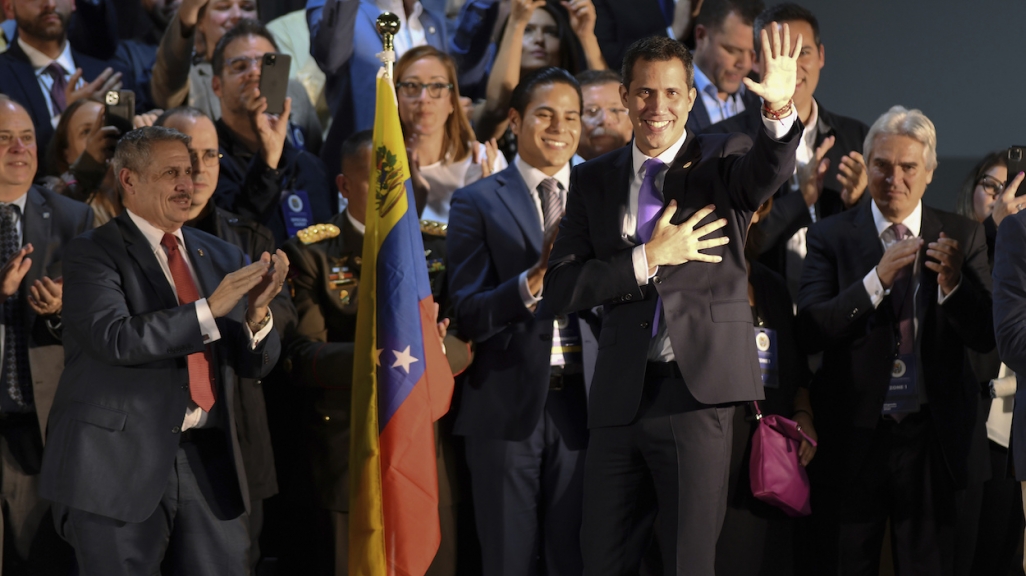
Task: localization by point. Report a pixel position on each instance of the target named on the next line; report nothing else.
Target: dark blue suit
(115, 427)
(18, 80)
(525, 442)
(1010, 323)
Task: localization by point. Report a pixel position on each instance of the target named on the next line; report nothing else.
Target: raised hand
(536, 274)
(810, 176)
(520, 11)
(1007, 204)
(780, 67)
(106, 81)
(236, 285)
(188, 13)
(675, 244)
(853, 176)
(486, 157)
(13, 271)
(899, 255)
(101, 140)
(271, 130)
(582, 16)
(945, 258)
(268, 285)
(146, 119)
(46, 296)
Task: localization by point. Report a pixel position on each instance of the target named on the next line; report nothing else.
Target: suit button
(628, 296)
(185, 386)
(327, 418)
(657, 280)
(645, 324)
(176, 430)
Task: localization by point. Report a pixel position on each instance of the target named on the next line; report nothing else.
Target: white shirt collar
(361, 228)
(20, 202)
(639, 157)
(533, 176)
(811, 128)
(702, 82)
(914, 221)
(153, 234)
(40, 61)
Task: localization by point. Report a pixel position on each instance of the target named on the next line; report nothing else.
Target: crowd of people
(637, 219)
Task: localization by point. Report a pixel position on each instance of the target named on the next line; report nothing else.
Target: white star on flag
(404, 359)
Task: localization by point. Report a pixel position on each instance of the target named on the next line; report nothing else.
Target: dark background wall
(963, 63)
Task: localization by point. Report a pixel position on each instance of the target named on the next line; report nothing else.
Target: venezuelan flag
(401, 380)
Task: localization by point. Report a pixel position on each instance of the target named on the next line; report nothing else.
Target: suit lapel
(200, 256)
(26, 77)
(868, 238)
(514, 194)
(141, 251)
(674, 186)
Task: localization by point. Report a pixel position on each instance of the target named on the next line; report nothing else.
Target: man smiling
(522, 411)
(676, 350)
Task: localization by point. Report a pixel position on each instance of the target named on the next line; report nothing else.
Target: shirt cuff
(874, 287)
(941, 298)
(640, 260)
(255, 339)
(528, 299)
(779, 128)
(208, 326)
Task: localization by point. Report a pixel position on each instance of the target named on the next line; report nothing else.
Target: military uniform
(324, 276)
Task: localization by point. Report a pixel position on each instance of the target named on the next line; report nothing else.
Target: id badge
(902, 392)
(766, 345)
(297, 211)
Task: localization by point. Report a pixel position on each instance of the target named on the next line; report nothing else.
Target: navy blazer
(18, 80)
(115, 425)
(494, 235)
(707, 312)
(836, 317)
(1010, 323)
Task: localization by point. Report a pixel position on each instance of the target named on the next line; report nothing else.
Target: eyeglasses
(991, 186)
(209, 157)
(414, 89)
(241, 64)
(595, 112)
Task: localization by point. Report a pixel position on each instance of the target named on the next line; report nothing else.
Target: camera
(269, 59)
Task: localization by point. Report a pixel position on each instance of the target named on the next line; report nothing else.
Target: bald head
(18, 161)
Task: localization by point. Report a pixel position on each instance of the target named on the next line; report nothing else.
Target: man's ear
(514, 122)
(215, 83)
(623, 96)
(342, 183)
(128, 180)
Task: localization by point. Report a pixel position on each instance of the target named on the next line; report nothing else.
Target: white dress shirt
(195, 417)
(660, 349)
(39, 63)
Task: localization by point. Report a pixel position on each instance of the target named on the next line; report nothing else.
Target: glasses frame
(210, 157)
(434, 89)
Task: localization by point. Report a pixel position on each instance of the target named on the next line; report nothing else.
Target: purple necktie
(56, 71)
(650, 204)
(902, 296)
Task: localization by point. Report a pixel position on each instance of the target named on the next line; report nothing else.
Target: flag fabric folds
(401, 380)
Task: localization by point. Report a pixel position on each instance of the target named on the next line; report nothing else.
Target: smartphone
(1016, 163)
(274, 80)
(119, 109)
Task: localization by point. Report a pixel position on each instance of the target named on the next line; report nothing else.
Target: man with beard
(604, 124)
(41, 70)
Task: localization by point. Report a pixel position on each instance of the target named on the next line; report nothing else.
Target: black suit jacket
(115, 425)
(836, 317)
(706, 306)
(18, 80)
(789, 212)
(619, 24)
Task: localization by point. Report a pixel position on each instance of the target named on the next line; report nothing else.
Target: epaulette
(432, 228)
(317, 232)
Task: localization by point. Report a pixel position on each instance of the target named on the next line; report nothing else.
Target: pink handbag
(776, 475)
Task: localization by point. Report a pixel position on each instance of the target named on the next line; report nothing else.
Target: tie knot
(548, 186)
(900, 231)
(169, 241)
(55, 70)
(652, 166)
(9, 212)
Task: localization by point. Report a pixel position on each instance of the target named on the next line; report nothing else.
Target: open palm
(781, 67)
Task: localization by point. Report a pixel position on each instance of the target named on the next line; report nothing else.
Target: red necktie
(201, 388)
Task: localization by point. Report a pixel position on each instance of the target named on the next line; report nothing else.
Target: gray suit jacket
(116, 420)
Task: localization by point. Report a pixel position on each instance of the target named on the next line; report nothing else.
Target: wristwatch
(259, 325)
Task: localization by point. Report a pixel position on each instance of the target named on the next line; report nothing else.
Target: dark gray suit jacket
(115, 424)
(707, 311)
(1010, 323)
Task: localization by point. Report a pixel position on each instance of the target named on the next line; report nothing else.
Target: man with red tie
(159, 320)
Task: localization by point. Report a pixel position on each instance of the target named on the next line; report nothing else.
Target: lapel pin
(686, 165)
(431, 29)
(199, 251)
(46, 214)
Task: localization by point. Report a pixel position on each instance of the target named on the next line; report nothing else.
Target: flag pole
(387, 25)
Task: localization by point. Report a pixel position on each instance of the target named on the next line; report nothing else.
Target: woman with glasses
(536, 35)
(985, 198)
(443, 151)
(77, 159)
